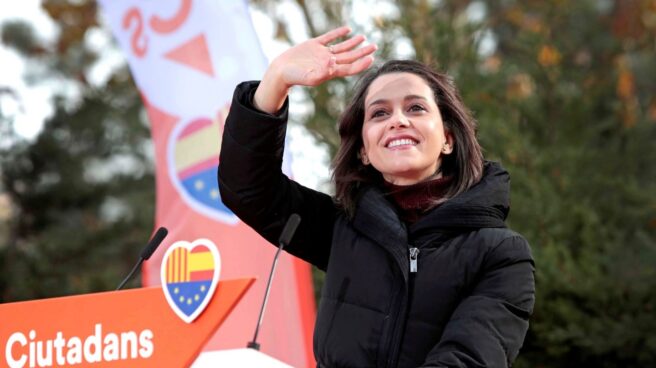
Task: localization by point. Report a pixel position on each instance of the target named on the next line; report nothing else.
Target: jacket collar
(377, 219)
(484, 205)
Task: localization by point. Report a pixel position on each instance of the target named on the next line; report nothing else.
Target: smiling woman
(418, 104)
(421, 270)
(403, 134)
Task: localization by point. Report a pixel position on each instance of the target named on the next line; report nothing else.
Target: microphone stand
(146, 253)
(285, 238)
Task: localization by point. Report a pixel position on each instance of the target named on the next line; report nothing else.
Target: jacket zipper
(414, 254)
(402, 312)
(392, 342)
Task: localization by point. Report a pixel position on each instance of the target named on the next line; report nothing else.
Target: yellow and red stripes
(185, 266)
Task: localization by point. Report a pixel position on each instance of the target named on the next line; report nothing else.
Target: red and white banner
(187, 57)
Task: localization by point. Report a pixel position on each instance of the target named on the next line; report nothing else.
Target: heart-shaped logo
(190, 273)
(193, 158)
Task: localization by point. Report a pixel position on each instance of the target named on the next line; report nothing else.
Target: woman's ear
(447, 148)
(363, 157)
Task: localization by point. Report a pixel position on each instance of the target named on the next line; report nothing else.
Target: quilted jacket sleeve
(488, 327)
(253, 186)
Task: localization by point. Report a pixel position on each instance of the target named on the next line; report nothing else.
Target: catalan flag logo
(193, 159)
(190, 272)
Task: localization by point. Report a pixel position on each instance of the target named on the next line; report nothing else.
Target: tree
(81, 193)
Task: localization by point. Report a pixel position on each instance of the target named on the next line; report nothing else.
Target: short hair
(465, 163)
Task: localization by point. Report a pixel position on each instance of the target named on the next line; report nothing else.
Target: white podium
(242, 358)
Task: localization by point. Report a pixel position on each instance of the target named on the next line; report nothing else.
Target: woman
(420, 268)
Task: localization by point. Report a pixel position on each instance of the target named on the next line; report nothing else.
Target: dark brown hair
(465, 163)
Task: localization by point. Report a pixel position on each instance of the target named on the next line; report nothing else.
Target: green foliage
(84, 200)
(79, 198)
(579, 145)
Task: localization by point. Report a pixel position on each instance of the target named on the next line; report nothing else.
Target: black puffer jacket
(466, 305)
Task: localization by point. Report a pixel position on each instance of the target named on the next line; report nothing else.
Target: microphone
(146, 253)
(285, 237)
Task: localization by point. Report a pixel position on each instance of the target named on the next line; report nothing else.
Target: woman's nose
(398, 120)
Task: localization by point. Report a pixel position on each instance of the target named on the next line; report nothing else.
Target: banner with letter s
(186, 58)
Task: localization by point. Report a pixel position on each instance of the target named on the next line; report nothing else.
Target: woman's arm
(488, 327)
(251, 182)
(253, 186)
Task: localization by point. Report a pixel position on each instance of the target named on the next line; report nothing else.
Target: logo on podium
(190, 273)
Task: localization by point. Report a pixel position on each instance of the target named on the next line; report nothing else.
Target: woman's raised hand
(316, 60)
(310, 64)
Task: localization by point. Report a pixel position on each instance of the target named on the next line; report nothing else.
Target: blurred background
(565, 96)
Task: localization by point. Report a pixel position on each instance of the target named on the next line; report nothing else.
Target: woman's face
(403, 132)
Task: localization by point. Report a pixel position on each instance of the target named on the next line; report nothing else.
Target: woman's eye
(377, 113)
(417, 107)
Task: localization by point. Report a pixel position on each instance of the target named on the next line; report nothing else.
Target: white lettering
(146, 343)
(60, 342)
(44, 361)
(12, 362)
(32, 335)
(111, 347)
(93, 341)
(74, 355)
(27, 350)
(131, 338)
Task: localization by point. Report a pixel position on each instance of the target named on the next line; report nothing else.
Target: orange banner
(131, 328)
(186, 58)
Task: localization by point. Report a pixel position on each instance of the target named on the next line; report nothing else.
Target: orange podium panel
(130, 328)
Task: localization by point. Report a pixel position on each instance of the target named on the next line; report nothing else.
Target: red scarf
(413, 201)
